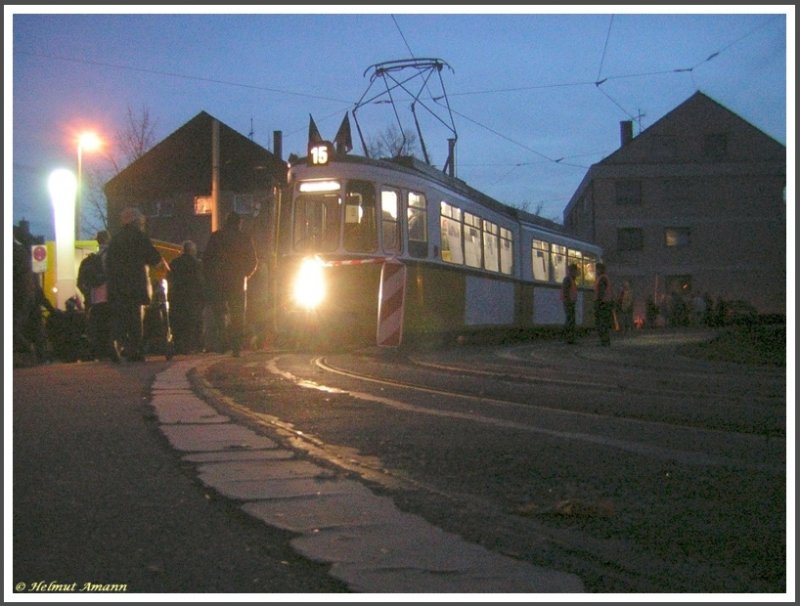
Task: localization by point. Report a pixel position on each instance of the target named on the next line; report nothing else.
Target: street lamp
(86, 141)
(63, 187)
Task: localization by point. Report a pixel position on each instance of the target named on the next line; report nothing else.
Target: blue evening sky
(537, 93)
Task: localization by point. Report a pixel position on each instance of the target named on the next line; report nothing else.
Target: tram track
(529, 378)
(617, 562)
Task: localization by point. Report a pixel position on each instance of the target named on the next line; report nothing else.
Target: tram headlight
(309, 284)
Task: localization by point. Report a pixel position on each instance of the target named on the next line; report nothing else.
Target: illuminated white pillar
(63, 189)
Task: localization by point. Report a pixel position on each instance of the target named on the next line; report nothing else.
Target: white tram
(471, 264)
(468, 263)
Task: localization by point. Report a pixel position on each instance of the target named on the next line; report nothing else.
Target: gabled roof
(695, 114)
(182, 161)
(698, 114)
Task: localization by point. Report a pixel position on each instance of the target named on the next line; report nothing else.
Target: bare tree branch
(131, 142)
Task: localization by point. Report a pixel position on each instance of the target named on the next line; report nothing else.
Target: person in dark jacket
(94, 286)
(130, 253)
(229, 259)
(603, 305)
(186, 299)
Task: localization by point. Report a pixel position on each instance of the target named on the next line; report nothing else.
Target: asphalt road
(632, 467)
(101, 501)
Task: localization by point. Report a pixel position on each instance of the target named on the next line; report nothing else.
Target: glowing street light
(63, 187)
(88, 141)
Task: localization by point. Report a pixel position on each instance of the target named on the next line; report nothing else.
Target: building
(695, 204)
(203, 167)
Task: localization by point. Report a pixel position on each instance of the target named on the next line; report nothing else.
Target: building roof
(698, 114)
(182, 161)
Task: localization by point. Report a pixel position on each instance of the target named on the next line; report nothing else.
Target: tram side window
(472, 240)
(360, 229)
(540, 258)
(589, 270)
(576, 257)
(506, 251)
(417, 225)
(452, 251)
(491, 252)
(390, 209)
(316, 222)
(559, 258)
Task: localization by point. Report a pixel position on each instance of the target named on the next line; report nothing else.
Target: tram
(367, 245)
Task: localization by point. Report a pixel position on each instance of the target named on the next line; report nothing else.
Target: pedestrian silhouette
(229, 259)
(186, 295)
(130, 253)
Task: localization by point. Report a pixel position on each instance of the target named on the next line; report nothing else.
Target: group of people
(610, 311)
(119, 288)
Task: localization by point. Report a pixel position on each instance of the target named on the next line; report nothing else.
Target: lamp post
(63, 187)
(86, 141)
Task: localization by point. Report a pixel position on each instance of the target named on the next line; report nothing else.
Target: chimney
(277, 144)
(625, 132)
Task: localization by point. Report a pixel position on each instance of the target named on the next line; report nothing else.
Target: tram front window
(316, 222)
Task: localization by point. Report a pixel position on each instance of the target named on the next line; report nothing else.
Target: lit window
(360, 229)
(451, 227)
(506, 251)
(472, 240)
(202, 205)
(390, 209)
(417, 224)
(491, 252)
(676, 237)
(540, 257)
(559, 258)
(589, 272)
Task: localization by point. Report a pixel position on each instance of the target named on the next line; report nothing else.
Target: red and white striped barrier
(391, 303)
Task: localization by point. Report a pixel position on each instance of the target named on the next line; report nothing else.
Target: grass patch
(761, 344)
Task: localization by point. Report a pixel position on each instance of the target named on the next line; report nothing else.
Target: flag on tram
(344, 138)
(313, 131)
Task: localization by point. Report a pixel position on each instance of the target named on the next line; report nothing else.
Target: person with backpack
(93, 284)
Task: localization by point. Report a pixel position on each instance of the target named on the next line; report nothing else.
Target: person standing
(93, 283)
(625, 302)
(229, 259)
(130, 253)
(186, 299)
(603, 305)
(569, 298)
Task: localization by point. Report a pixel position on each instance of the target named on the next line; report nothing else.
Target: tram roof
(416, 167)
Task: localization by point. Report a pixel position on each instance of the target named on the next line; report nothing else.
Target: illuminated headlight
(309, 286)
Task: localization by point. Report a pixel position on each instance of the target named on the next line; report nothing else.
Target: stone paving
(370, 544)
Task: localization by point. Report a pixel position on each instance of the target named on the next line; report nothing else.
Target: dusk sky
(536, 98)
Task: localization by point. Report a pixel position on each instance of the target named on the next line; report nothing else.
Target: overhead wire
(597, 83)
(182, 76)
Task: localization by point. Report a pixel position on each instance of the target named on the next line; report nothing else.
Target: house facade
(179, 181)
(694, 205)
